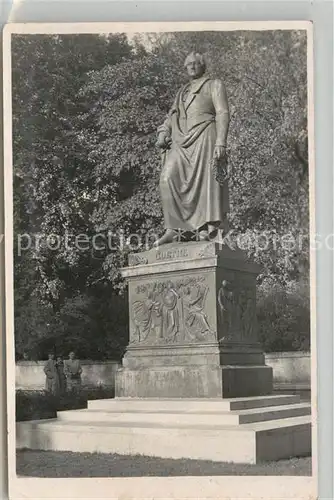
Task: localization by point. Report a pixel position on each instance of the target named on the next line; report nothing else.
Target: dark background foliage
(85, 112)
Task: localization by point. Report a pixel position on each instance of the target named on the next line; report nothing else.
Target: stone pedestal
(192, 351)
(239, 430)
(193, 334)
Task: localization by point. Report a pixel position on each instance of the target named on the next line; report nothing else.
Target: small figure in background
(25, 356)
(52, 380)
(61, 375)
(73, 370)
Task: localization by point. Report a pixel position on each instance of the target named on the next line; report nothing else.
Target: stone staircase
(239, 430)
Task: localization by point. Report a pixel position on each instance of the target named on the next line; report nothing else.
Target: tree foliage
(86, 109)
(52, 182)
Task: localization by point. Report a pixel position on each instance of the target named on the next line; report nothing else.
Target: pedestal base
(194, 382)
(192, 322)
(242, 430)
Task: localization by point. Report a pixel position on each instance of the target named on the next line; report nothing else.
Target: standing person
(73, 370)
(61, 375)
(193, 138)
(52, 380)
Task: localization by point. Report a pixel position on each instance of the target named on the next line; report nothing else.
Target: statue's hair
(199, 57)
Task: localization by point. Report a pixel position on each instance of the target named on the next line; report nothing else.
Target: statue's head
(195, 64)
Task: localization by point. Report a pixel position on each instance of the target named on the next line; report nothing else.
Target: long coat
(61, 376)
(73, 370)
(52, 380)
(196, 123)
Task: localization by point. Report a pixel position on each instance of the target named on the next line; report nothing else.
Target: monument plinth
(192, 311)
(192, 321)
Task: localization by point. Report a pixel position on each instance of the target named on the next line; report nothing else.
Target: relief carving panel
(173, 311)
(237, 311)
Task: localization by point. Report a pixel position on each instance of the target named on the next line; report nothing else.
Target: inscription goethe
(175, 253)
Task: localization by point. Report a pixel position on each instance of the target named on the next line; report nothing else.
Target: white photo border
(173, 487)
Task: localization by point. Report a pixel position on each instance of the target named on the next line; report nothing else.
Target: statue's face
(194, 68)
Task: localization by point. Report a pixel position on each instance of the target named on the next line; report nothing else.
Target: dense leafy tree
(266, 80)
(52, 177)
(86, 109)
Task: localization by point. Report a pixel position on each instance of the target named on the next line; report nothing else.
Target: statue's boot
(168, 237)
(207, 234)
(203, 236)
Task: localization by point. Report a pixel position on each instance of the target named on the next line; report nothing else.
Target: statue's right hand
(163, 141)
(160, 142)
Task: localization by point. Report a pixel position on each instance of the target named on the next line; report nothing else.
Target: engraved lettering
(177, 253)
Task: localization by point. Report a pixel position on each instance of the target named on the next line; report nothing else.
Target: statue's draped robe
(197, 121)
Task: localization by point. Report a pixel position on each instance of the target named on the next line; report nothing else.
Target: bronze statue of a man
(192, 138)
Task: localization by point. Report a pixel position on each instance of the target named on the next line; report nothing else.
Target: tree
(52, 173)
(265, 75)
(86, 109)
(120, 129)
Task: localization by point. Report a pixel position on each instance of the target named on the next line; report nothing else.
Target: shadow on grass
(68, 464)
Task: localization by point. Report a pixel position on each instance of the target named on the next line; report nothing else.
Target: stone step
(249, 443)
(189, 418)
(192, 405)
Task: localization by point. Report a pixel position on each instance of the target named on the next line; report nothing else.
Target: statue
(193, 306)
(194, 191)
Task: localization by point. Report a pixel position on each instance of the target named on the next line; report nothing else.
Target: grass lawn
(68, 464)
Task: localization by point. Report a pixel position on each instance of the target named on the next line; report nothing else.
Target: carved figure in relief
(237, 310)
(248, 318)
(146, 317)
(170, 324)
(226, 302)
(195, 321)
